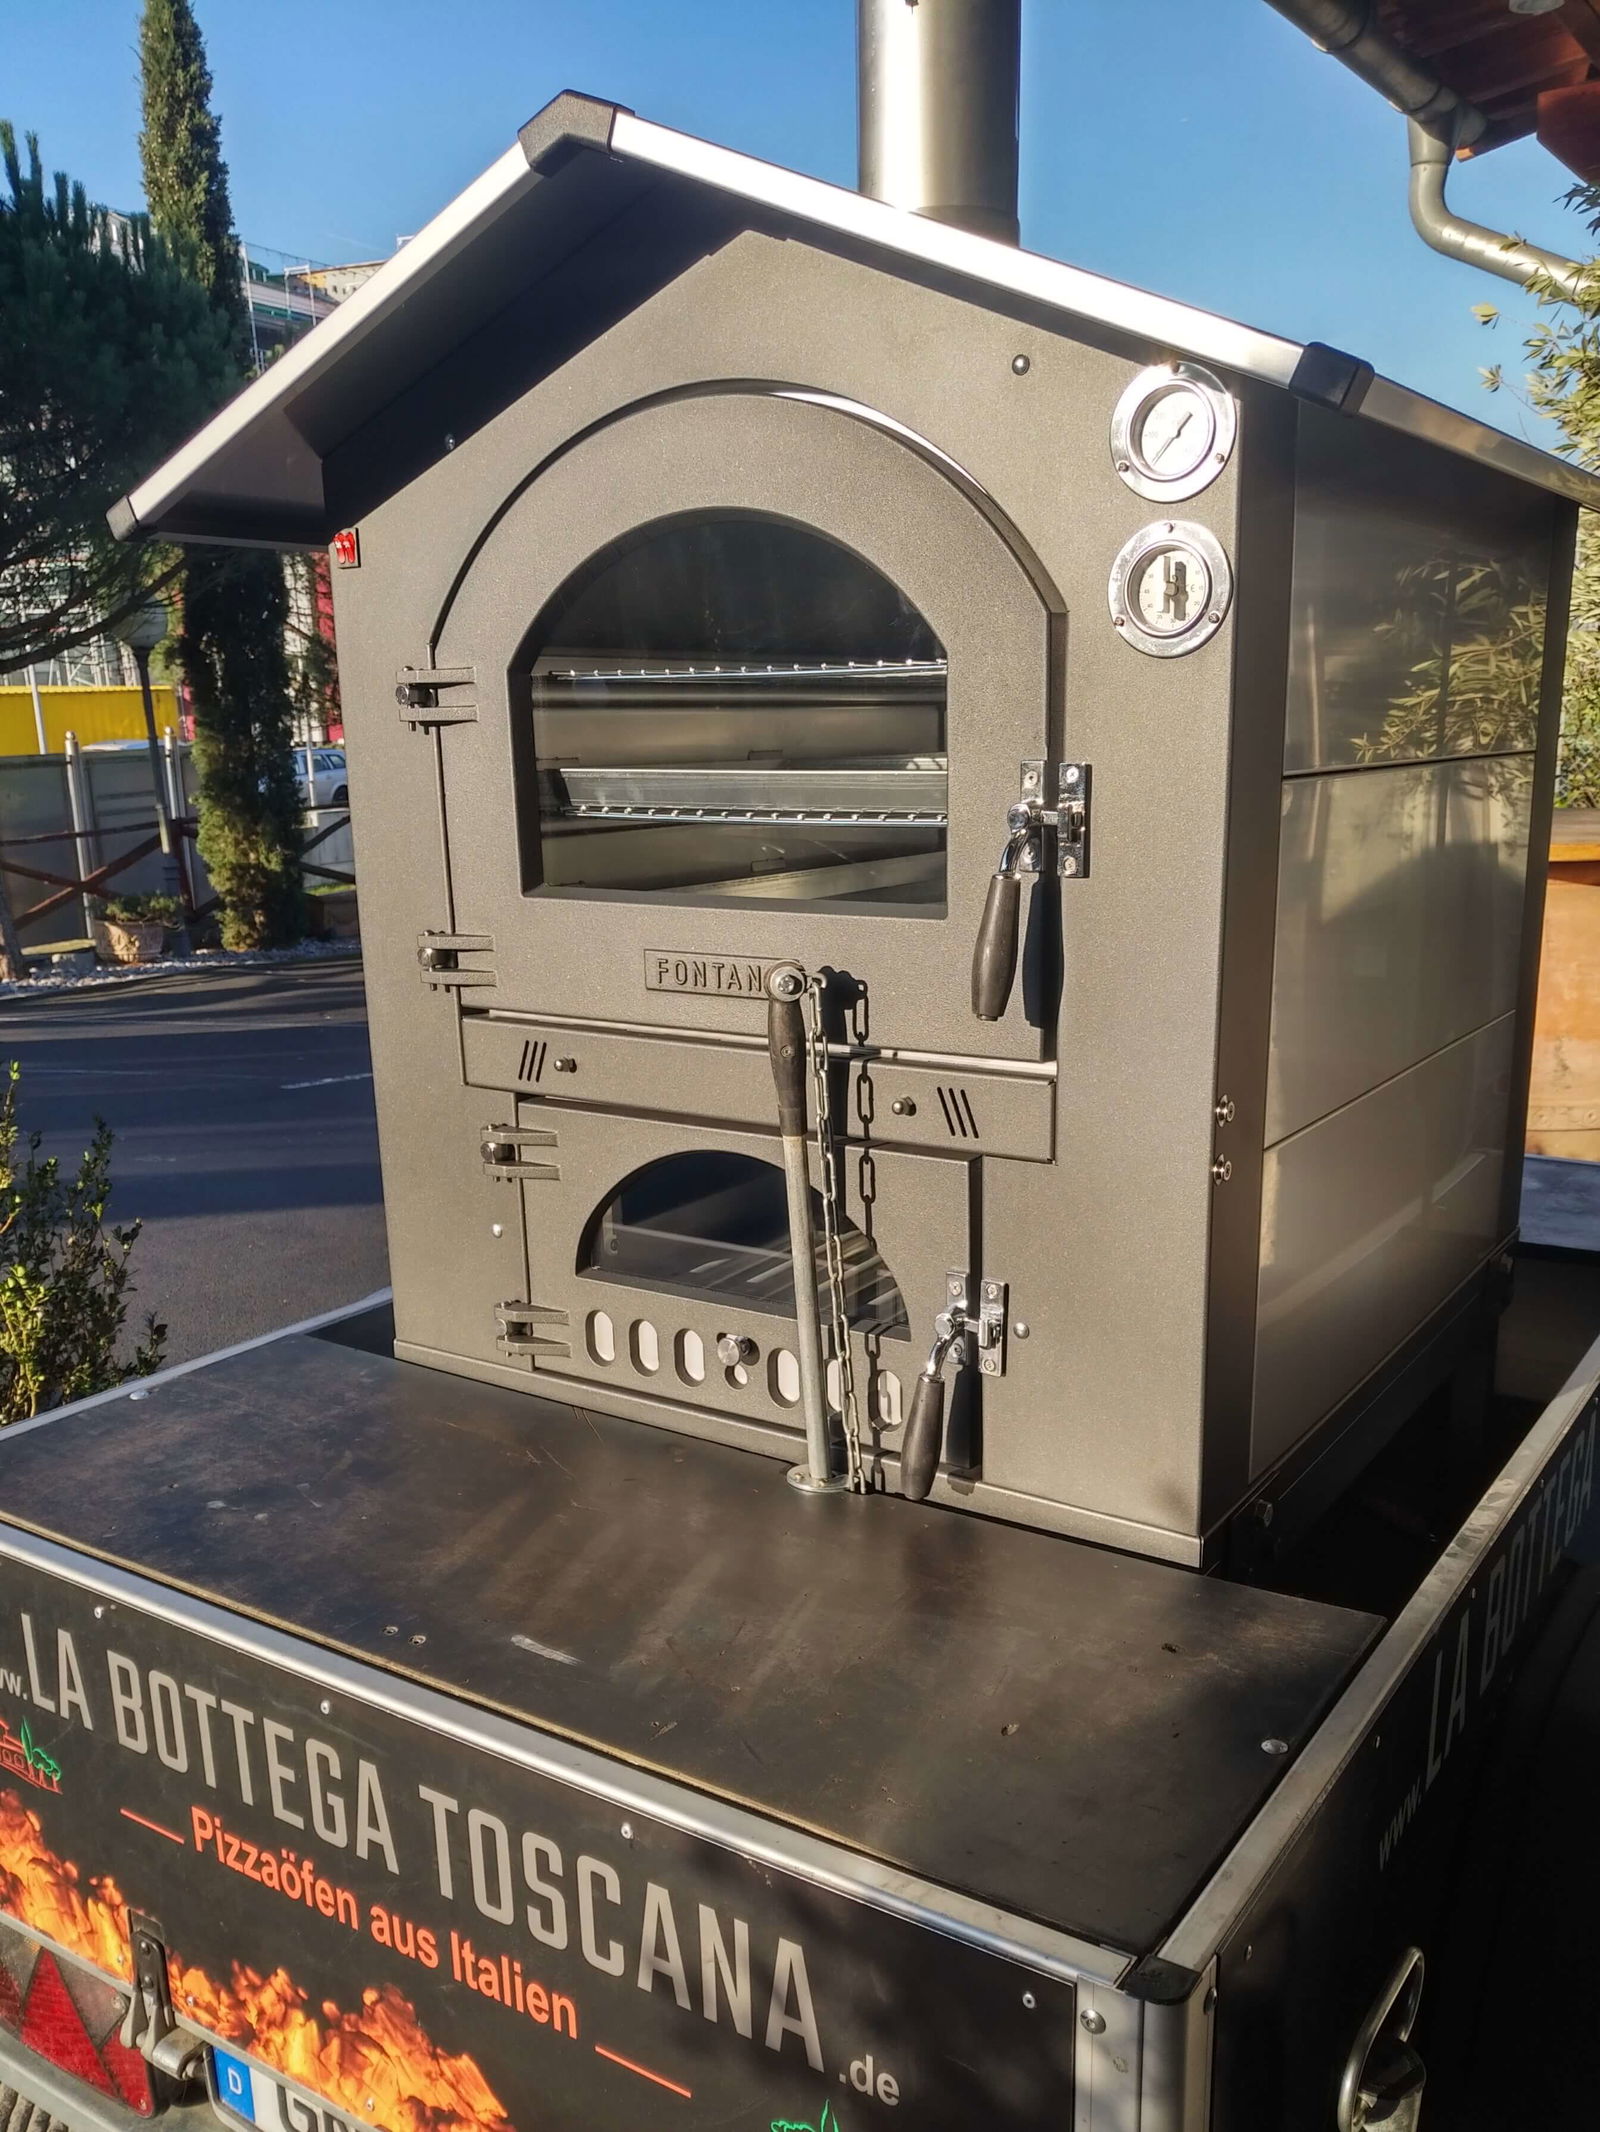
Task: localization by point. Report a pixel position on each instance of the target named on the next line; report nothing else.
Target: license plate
(245, 2093)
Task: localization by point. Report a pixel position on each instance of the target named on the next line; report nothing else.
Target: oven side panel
(1415, 765)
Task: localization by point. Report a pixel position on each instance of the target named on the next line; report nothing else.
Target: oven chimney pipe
(937, 86)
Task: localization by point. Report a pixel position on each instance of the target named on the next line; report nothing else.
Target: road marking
(331, 1081)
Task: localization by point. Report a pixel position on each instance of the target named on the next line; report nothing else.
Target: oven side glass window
(733, 709)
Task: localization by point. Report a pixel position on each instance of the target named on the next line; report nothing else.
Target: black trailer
(426, 1755)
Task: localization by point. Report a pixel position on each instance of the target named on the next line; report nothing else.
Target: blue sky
(1208, 152)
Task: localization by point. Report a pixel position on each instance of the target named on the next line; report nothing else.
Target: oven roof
(258, 472)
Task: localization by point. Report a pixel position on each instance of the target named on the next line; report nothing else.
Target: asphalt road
(245, 1139)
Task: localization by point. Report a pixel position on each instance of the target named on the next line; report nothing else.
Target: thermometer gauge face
(1170, 588)
(1172, 431)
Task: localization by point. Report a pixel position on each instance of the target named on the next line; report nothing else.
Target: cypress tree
(231, 644)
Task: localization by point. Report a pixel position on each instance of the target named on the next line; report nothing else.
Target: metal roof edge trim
(486, 198)
(984, 259)
(1073, 289)
(609, 128)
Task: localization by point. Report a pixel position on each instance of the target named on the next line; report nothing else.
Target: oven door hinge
(534, 1330)
(437, 695)
(504, 1150)
(150, 2027)
(439, 959)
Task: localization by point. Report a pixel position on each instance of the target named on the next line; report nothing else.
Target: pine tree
(231, 645)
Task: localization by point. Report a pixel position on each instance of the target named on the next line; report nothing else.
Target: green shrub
(64, 1275)
(143, 910)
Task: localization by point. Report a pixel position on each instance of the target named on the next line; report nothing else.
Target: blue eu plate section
(233, 2085)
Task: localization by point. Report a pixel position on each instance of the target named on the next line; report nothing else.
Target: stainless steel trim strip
(1399, 407)
(560, 1761)
(1113, 303)
(483, 200)
(140, 1387)
(736, 1040)
(1154, 319)
(1199, 1934)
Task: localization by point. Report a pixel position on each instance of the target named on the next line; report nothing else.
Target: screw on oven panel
(1020, 1329)
(1222, 1169)
(1020, 366)
(1274, 1746)
(326, 1707)
(1227, 1110)
(736, 1348)
(566, 1065)
(1093, 2023)
(904, 1107)
(497, 1228)
(627, 1832)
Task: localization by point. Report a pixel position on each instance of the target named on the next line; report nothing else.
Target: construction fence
(84, 824)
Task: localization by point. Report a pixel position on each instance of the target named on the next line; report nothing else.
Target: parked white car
(328, 786)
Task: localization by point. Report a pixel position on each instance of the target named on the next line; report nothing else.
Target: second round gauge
(1170, 588)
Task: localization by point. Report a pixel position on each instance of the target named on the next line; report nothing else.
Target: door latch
(150, 2027)
(1051, 797)
(961, 1328)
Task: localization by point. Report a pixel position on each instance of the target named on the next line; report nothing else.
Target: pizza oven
(948, 850)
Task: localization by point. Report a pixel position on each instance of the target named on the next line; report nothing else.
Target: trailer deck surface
(1070, 1734)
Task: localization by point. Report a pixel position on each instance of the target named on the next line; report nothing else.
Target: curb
(219, 964)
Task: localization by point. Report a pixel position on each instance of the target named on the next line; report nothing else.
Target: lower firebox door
(663, 1253)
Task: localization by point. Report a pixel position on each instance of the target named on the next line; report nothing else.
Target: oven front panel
(755, 681)
(654, 1245)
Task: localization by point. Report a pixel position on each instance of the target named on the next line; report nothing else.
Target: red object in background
(345, 548)
(1569, 126)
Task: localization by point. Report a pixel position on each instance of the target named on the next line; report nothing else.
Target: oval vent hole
(689, 1352)
(783, 1377)
(645, 1347)
(602, 1337)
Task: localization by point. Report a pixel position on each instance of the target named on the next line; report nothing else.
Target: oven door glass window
(711, 1223)
(734, 709)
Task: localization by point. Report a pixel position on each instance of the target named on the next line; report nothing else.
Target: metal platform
(1071, 1735)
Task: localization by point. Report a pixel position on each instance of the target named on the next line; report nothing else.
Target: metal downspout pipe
(1493, 250)
(1438, 123)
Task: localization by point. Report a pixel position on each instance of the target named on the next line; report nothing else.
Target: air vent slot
(534, 1053)
(961, 1120)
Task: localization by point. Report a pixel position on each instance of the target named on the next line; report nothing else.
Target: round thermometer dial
(1170, 589)
(1172, 431)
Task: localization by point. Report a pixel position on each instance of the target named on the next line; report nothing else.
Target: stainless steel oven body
(732, 561)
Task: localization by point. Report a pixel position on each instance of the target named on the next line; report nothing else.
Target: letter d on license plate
(246, 2093)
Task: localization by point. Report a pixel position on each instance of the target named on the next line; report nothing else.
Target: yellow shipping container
(91, 713)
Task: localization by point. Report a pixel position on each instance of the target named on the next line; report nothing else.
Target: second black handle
(924, 1438)
(994, 953)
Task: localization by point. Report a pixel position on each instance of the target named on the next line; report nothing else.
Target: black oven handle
(994, 952)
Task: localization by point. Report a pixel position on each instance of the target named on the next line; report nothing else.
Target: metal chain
(833, 1249)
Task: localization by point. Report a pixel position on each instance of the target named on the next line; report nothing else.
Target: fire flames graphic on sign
(376, 2063)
